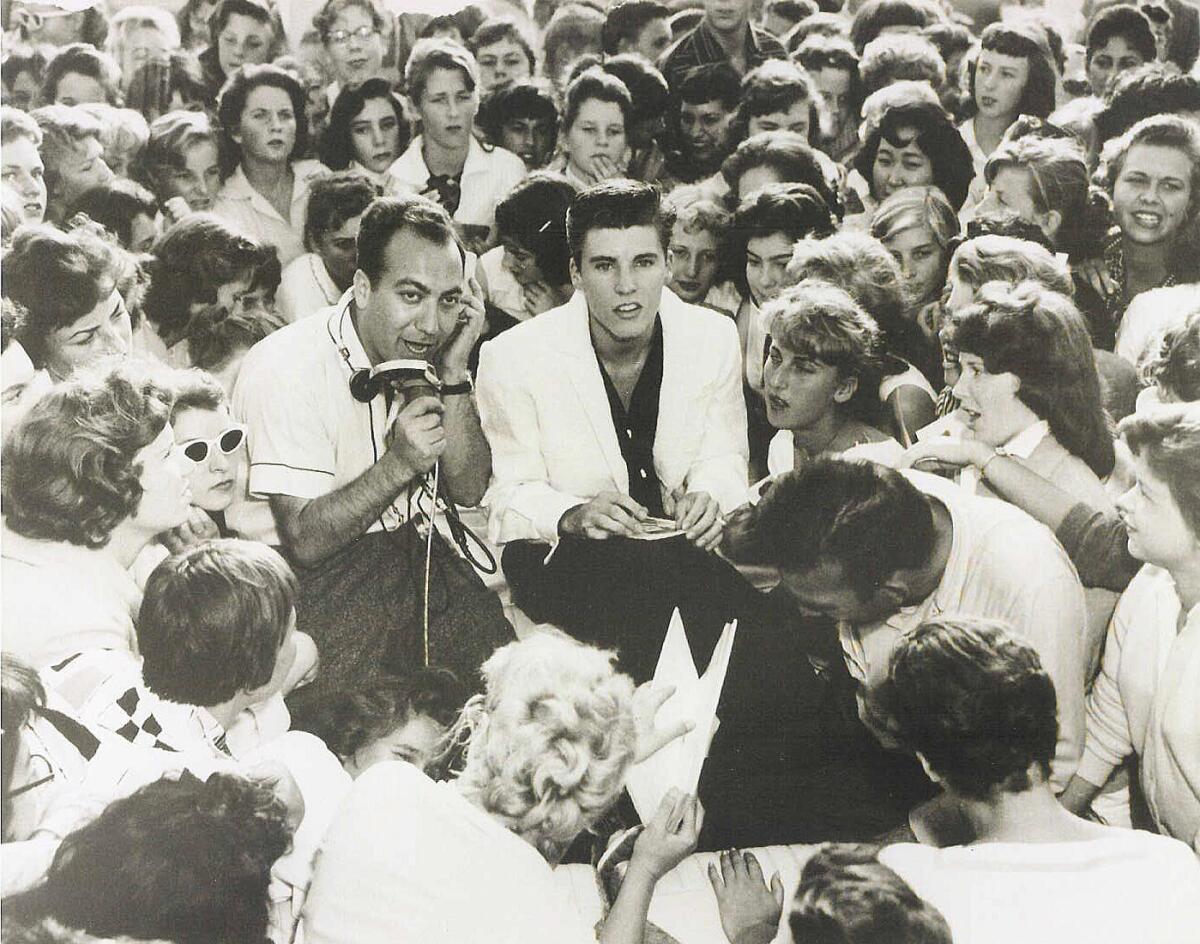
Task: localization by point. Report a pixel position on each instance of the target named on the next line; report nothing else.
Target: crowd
(377, 384)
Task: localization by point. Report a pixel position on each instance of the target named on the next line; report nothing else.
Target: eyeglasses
(341, 37)
(197, 450)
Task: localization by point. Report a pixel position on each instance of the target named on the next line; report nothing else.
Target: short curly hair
(182, 860)
(1168, 438)
(58, 277)
(323, 20)
(774, 86)
(847, 896)
(862, 266)
(231, 104)
(821, 323)
(1155, 88)
(171, 136)
(887, 59)
(70, 469)
(995, 258)
(192, 260)
(82, 59)
(553, 738)
(974, 700)
(434, 53)
(789, 155)
(213, 619)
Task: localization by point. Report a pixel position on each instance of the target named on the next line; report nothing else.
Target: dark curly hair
(1040, 337)
(336, 147)
(793, 209)
(351, 719)
(182, 860)
(867, 518)
(938, 139)
(231, 103)
(976, 702)
(58, 277)
(192, 260)
(789, 155)
(874, 16)
(1152, 89)
(212, 621)
(69, 466)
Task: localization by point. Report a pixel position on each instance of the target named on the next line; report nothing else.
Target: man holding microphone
(345, 432)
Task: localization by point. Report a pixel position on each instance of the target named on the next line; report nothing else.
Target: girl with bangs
(1012, 76)
(821, 378)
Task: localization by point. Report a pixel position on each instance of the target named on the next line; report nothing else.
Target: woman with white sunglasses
(214, 444)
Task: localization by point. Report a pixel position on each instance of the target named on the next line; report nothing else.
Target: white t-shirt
(1129, 887)
(409, 859)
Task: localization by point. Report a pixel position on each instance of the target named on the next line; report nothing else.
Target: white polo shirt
(252, 213)
(487, 178)
(307, 434)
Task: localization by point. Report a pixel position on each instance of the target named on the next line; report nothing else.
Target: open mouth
(418, 349)
(1147, 219)
(628, 309)
(986, 101)
(968, 416)
(34, 209)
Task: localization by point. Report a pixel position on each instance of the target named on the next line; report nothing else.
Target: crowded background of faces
(959, 238)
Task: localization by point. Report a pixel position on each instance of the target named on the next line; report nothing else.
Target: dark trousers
(364, 609)
(790, 762)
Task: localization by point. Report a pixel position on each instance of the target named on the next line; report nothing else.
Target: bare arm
(1010, 479)
(467, 459)
(314, 528)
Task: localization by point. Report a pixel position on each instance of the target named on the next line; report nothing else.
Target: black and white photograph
(600, 471)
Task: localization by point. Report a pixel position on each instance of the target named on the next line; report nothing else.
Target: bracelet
(452, 390)
(996, 454)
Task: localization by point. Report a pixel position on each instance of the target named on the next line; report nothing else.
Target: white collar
(343, 335)
(1022, 445)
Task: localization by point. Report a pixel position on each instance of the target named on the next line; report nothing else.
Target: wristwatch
(452, 390)
(997, 453)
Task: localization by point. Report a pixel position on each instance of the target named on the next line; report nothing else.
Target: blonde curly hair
(550, 739)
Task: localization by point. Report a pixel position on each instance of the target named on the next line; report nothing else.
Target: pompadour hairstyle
(615, 204)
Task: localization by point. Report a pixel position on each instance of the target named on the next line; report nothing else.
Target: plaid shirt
(701, 47)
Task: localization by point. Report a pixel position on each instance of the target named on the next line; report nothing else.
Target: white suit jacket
(546, 416)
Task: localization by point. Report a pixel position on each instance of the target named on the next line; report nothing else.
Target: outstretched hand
(750, 909)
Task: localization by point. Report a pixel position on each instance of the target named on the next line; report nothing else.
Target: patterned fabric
(1114, 263)
(701, 47)
(448, 190)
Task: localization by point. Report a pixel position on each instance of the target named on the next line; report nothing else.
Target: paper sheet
(678, 765)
